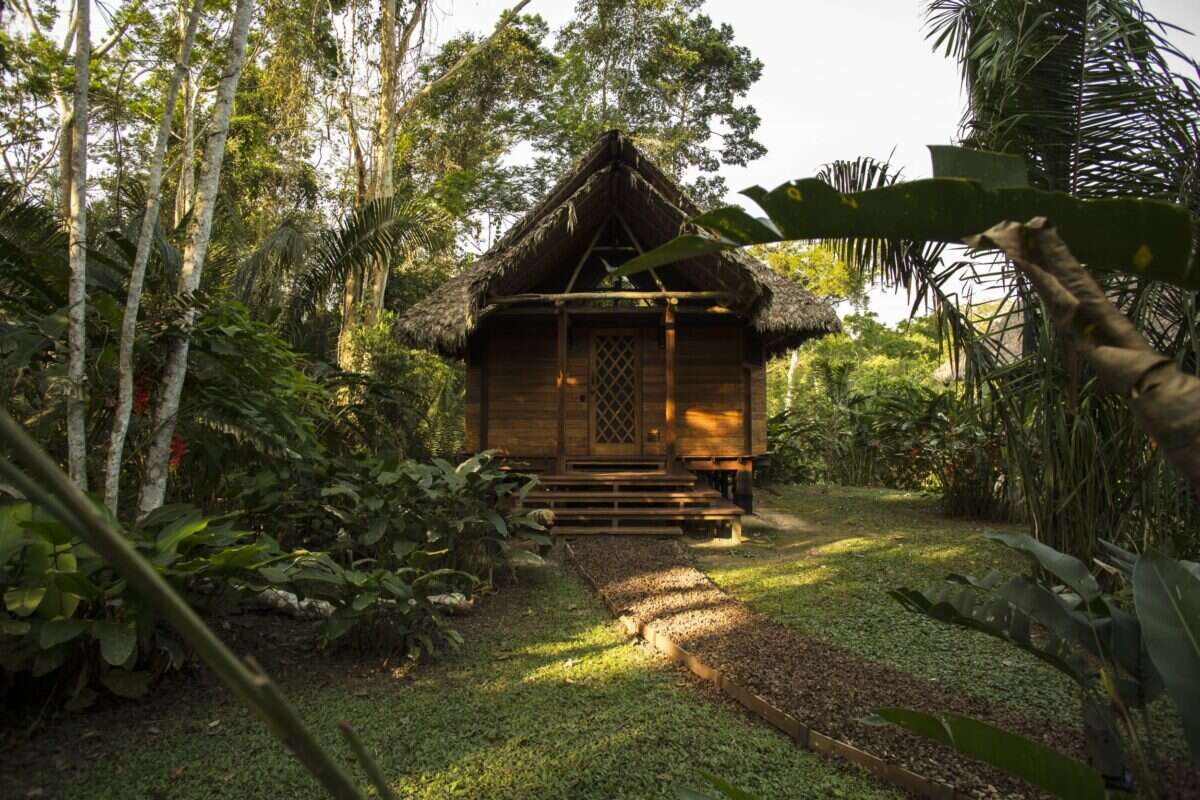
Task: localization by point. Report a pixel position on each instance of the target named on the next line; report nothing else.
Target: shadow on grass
(833, 587)
(546, 700)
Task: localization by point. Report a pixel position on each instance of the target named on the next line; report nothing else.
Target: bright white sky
(840, 80)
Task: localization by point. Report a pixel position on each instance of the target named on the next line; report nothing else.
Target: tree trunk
(357, 305)
(116, 445)
(362, 302)
(77, 228)
(155, 484)
(1164, 399)
(187, 145)
(793, 365)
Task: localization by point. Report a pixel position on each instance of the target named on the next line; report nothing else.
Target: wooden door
(616, 393)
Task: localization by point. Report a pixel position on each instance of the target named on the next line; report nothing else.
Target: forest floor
(547, 699)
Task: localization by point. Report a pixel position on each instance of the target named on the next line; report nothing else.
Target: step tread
(607, 530)
(670, 513)
(623, 478)
(694, 494)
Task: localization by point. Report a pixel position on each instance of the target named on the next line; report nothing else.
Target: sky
(840, 79)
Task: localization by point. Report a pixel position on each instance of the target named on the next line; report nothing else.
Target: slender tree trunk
(793, 365)
(155, 485)
(77, 227)
(116, 445)
(362, 299)
(187, 147)
(358, 306)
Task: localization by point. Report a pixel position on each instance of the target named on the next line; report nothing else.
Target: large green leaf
(57, 631)
(1134, 235)
(991, 170)
(179, 531)
(1032, 761)
(117, 641)
(1167, 597)
(123, 683)
(1068, 569)
(24, 601)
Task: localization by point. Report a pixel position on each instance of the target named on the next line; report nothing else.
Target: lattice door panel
(615, 376)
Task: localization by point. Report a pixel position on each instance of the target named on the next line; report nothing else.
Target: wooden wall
(519, 363)
(709, 391)
(654, 392)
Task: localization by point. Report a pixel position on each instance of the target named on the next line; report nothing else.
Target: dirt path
(825, 687)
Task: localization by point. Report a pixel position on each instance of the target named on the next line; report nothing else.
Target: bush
(899, 436)
(67, 610)
(398, 537)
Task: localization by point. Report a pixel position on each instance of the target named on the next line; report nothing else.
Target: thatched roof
(614, 176)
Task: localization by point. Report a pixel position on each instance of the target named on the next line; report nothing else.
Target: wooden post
(483, 395)
(669, 356)
(562, 388)
(743, 490)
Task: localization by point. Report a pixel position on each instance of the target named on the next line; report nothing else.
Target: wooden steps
(623, 502)
(614, 479)
(626, 530)
(687, 512)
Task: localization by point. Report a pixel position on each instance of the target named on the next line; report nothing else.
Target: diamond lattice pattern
(616, 390)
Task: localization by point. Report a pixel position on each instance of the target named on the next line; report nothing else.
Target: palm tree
(1086, 93)
(298, 270)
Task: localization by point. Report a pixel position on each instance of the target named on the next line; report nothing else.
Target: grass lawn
(547, 700)
(825, 567)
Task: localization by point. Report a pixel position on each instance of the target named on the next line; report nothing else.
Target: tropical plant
(299, 269)
(246, 679)
(67, 611)
(382, 509)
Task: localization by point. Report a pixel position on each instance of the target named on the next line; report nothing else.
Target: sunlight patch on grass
(546, 705)
(836, 590)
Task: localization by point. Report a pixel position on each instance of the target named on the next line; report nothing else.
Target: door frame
(605, 449)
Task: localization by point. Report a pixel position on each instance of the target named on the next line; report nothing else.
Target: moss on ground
(825, 571)
(547, 700)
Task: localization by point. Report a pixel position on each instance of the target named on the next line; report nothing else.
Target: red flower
(178, 450)
(141, 399)
(141, 392)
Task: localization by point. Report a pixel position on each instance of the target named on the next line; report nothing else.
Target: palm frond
(390, 230)
(261, 278)
(1084, 90)
(33, 252)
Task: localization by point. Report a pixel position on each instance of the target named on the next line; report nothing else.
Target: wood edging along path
(802, 735)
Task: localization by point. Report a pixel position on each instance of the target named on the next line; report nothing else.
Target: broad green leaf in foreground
(1133, 235)
(1032, 761)
(1167, 597)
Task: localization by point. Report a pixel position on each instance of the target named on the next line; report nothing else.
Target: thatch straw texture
(614, 177)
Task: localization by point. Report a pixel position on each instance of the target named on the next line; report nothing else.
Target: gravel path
(827, 688)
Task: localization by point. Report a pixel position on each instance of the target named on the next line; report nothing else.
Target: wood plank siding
(513, 369)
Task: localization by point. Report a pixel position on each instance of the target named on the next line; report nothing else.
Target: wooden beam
(562, 388)
(669, 370)
(638, 245)
(583, 259)
(564, 297)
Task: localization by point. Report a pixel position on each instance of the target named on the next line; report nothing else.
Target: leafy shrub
(66, 609)
(901, 436)
(376, 507)
(395, 538)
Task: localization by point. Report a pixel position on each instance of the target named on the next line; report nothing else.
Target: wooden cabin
(650, 389)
